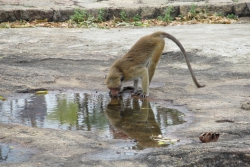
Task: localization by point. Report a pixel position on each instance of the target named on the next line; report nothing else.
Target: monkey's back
(143, 50)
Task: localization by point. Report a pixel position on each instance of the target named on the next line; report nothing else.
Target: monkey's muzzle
(114, 92)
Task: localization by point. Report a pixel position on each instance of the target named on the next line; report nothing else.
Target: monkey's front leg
(136, 92)
(136, 84)
(145, 84)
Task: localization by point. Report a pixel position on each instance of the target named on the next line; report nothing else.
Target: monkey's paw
(137, 93)
(140, 94)
(143, 96)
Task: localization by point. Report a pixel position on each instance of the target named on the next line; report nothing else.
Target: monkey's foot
(140, 94)
(137, 93)
(143, 96)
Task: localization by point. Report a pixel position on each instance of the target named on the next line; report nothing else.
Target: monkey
(140, 63)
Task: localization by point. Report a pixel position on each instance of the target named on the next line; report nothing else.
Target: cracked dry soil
(80, 58)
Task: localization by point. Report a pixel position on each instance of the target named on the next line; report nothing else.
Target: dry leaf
(209, 137)
(2, 98)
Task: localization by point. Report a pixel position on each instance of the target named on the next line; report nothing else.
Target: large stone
(131, 12)
(241, 9)
(113, 12)
(6, 16)
(62, 15)
(245, 105)
(210, 9)
(147, 12)
(34, 14)
(219, 9)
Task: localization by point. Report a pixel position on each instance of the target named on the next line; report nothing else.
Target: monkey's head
(114, 82)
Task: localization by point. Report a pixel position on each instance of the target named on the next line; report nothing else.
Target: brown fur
(140, 62)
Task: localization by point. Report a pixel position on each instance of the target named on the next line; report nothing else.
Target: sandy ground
(80, 58)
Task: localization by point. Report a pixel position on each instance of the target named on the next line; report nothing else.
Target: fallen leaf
(42, 92)
(209, 137)
(2, 98)
(163, 140)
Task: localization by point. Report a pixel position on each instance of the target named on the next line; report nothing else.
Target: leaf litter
(115, 23)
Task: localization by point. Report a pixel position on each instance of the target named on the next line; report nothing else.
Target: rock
(28, 15)
(147, 12)
(241, 9)
(245, 105)
(62, 15)
(7, 16)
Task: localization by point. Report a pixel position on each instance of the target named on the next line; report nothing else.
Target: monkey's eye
(122, 78)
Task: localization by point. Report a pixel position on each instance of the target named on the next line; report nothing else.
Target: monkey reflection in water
(137, 122)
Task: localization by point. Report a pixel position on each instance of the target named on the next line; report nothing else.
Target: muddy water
(11, 153)
(4, 152)
(123, 118)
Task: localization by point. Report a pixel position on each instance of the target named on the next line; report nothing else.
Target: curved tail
(166, 35)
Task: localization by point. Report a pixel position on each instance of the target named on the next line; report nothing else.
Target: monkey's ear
(122, 78)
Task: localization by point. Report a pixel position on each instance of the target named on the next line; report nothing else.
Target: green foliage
(167, 17)
(180, 16)
(136, 20)
(80, 15)
(219, 14)
(193, 10)
(100, 16)
(137, 17)
(83, 19)
(231, 16)
(123, 15)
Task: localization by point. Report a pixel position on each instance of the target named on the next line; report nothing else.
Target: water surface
(119, 118)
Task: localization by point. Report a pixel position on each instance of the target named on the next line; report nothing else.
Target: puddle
(13, 153)
(126, 118)
(4, 152)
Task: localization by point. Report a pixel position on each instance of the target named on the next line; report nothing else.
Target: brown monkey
(140, 62)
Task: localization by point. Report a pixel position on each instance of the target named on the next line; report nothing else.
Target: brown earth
(80, 58)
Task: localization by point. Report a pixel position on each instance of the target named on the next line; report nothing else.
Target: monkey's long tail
(166, 35)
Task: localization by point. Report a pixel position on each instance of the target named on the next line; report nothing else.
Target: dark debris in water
(30, 90)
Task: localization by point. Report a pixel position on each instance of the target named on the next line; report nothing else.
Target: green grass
(231, 16)
(100, 16)
(79, 16)
(193, 10)
(167, 17)
(123, 15)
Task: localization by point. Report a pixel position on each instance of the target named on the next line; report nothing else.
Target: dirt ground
(80, 58)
